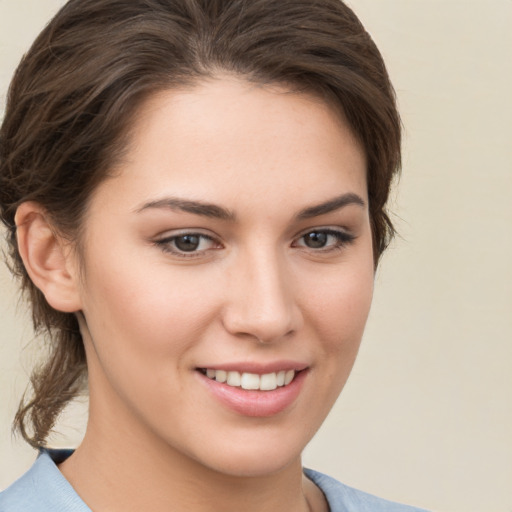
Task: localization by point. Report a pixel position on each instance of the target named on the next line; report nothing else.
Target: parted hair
(75, 93)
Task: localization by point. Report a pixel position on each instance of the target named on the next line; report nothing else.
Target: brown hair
(75, 92)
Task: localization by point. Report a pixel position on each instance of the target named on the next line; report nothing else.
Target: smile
(251, 381)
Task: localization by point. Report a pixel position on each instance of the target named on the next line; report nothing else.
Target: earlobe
(48, 259)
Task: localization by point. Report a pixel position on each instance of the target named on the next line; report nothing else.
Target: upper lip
(256, 367)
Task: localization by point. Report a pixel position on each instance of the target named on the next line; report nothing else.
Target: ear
(48, 258)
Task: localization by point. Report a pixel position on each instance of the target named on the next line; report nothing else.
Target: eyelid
(344, 237)
(165, 243)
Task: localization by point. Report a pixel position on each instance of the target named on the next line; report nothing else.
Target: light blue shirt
(43, 488)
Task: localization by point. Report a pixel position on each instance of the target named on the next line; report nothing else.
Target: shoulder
(42, 488)
(342, 498)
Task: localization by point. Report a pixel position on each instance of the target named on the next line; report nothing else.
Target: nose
(261, 300)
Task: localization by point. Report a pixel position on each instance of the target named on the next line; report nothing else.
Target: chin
(265, 454)
(255, 465)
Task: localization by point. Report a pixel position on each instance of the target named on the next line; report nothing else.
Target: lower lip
(256, 403)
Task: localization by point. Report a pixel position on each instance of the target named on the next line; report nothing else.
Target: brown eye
(316, 239)
(187, 243)
(190, 245)
(325, 240)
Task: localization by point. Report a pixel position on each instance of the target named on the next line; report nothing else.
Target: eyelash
(342, 240)
(168, 244)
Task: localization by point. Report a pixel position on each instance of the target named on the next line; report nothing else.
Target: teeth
(252, 381)
(269, 382)
(234, 379)
(220, 375)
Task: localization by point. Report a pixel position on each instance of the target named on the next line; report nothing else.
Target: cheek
(337, 314)
(339, 309)
(140, 326)
(145, 312)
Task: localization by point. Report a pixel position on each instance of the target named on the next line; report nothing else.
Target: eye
(316, 239)
(325, 239)
(187, 244)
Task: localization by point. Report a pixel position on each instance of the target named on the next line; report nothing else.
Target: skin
(253, 292)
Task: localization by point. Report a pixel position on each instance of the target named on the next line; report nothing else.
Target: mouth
(251, 381)
(253, 390)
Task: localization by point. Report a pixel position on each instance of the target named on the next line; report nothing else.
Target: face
(227, 276)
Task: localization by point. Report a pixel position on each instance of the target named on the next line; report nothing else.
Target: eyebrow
(195, 207)
(331, 205)
(218, 212)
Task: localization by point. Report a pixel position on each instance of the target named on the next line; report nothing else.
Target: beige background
(427, 415)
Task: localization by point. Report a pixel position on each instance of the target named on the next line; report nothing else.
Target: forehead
(226, 138)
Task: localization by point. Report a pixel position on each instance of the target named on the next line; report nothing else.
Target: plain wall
(426, 417)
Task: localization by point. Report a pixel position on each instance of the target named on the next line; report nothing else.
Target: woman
(195, 193)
